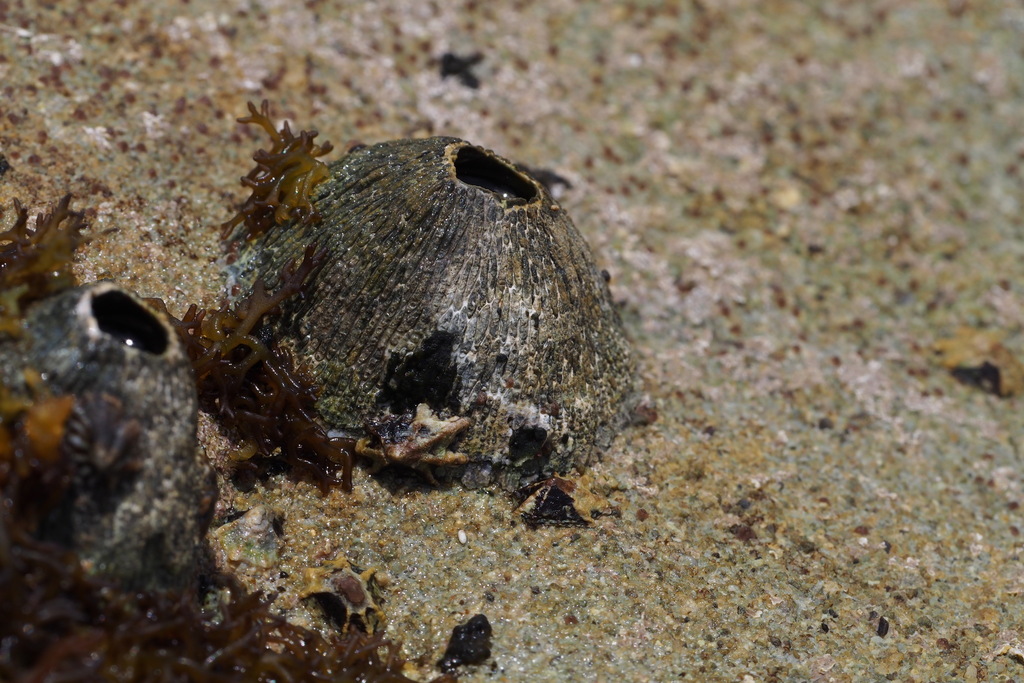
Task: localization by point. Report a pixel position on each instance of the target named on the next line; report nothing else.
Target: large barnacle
(454, 281)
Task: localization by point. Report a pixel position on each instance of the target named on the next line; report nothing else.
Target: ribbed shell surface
(454, 279)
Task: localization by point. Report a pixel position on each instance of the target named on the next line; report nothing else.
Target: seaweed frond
(254, 386)
(282, 182)
(36, 262)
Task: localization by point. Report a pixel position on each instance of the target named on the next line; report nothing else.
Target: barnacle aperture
(454, 280)
(140, 495)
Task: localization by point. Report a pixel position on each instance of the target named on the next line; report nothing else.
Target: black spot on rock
(526, 442)
(470, 644)
(500, 361)
(4, 165)
(428, 375)
(461, 68)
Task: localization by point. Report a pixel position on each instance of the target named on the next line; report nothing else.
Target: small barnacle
(454, 280)
(282, 182)
(254, 384)
(557, 502)
(250, 539)
(139, 495)
(348, 595)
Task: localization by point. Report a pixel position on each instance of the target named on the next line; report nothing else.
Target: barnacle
(60, 623)
(254, 384)
(36, 262)
(347, 595)
(139, 493)
(454, 280)
(282, 182)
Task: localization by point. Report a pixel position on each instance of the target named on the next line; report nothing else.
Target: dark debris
(461, 68)
(470, 644)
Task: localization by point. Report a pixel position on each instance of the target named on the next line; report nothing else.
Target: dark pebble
(470, 644)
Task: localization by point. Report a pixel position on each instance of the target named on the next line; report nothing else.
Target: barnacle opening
(124, 319)
(474, 166)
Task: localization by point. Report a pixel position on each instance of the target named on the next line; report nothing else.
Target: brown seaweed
(36, 262)
(254, 385)
(283, 180)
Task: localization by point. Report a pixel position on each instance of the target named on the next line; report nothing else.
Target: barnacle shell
(140, 495)
(347, 595)
(455, 280)
(557, 502)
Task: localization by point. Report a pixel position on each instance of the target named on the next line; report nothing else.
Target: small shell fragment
(557, 502)
(979, 357)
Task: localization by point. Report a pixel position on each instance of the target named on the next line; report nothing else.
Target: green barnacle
(460, 325)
